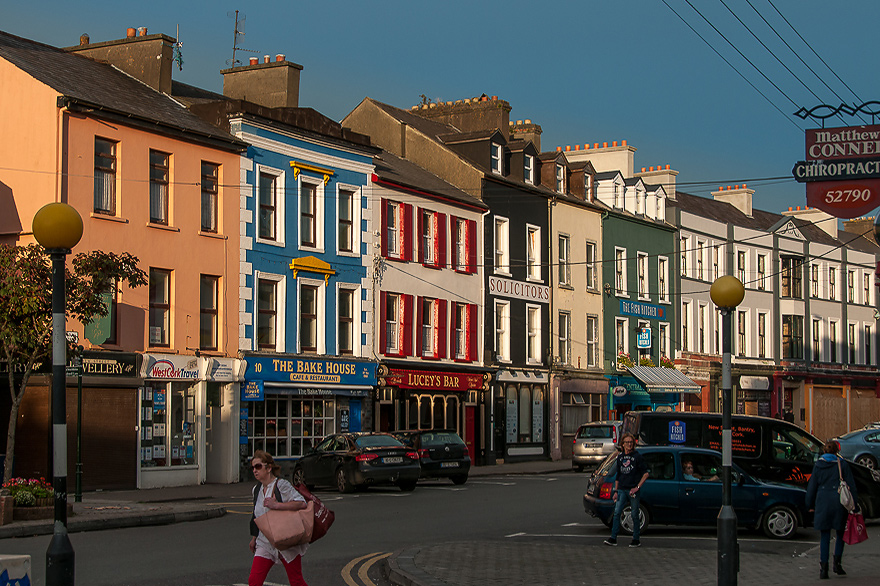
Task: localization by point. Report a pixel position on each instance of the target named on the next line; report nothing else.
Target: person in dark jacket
(632, 472)
(823, 498)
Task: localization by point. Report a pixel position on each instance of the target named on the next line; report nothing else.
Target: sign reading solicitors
(842, 170)
(519, 290)
(308, 371)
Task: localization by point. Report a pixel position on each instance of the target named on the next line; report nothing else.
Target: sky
(655, 73)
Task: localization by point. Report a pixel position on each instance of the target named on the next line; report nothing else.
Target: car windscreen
(435, 438)
(377, 441)
(595, 432)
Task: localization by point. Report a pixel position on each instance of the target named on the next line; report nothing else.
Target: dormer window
(560, 178)
(496, 158)
(616, 195)
(529, 169)
(588, 186)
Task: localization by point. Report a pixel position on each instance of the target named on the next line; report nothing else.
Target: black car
(357, 460)
(770, 449)
(442, 453)
(675, 496)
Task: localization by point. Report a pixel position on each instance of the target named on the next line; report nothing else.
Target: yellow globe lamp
(727, 292)
(57, 226)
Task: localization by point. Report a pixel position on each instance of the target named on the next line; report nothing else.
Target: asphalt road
(369, 525)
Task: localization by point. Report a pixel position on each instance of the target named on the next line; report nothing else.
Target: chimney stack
(273, 84)
(148, 58)
(471, 115)
(527, 131)
(740, 198)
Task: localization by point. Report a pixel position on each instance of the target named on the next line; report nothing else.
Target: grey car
(861, 446)
(593, 442)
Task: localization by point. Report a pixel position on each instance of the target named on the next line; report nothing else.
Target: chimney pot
(494, 98)
(83, 40)
(528, 121)
(624, 143)
(265, 58)
(667, 167)
(728, 188)
(558, 149)
(744, 185)
(568, 147)
(279, 57)
(518, 122)
(254, 60)
(142, 31)
(650, 168)
(736, 186)
(577, 147)
(604, 145)
(595, 145)
(643, 169)
(799, 208)
(587, 146)
(130, 32)
(614, 144)
(789, 208)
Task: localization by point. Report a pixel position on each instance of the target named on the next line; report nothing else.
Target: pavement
(511, 561)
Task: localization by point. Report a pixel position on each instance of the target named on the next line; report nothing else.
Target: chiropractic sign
(842, 170)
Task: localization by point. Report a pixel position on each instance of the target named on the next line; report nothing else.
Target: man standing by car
(632, 472)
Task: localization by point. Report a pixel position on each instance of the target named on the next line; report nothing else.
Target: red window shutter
(472, 332)
(440, 241)
(420, 229)
(441, 336)
(453, 239)
(420, 319)
(383, 230)
(470, 248)
(407, 226)
(383, 341)
(407, 321)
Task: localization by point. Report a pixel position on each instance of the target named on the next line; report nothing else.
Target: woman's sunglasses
(257, 466)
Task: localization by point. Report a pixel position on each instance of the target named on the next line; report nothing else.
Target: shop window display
(289, 427)
(168, 425)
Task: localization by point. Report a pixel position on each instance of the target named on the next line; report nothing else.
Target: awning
(658, 379)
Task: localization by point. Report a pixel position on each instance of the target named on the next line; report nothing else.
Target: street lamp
(58, 228)
(726, 292)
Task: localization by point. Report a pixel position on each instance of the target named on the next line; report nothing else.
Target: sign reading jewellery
(307, 371)
(116, 364)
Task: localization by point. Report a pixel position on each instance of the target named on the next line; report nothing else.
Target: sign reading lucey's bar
(433, 380)
(842, 170)
(519, 290)
(308, 371)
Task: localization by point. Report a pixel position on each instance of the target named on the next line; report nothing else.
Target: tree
(26, 309)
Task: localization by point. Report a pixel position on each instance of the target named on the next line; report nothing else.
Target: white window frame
(280, 181)
(766, 351)
(461, 334)
(761, 272)
(502, 330)
(643, 275)
(428, 236)
(560, 178)
(529, 169)
(738, 350)
(356, 346)
(663, 340)
(393, 344)
(851, 296)
(742, 271)
(816, 337)
(663, 279)
(621, 326)
(564, 273)
(564, 337)
(592, 263)
(428, 328)
(832, 284)
(834, 341)
(702, 346)
(592, 341)
(815, 270)
(321, 326)
(686, 331)
(683, 255)
(867, 286)
(356, 202)
(533, 253)
(460, 254)
(533, 334)
(496, 160)
(620, 272)
(319, 212)
(280, 308)
(502, 245)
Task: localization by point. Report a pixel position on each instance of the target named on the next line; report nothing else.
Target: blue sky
(587, 71)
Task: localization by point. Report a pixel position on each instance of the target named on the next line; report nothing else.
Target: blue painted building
(305, 289)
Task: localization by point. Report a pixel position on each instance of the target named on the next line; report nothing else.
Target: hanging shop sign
(433, 380)
(171, 367)
(252, 390)
(310, 371)
(842, 170)
(519, 290)
(114, 364)
(644, 338)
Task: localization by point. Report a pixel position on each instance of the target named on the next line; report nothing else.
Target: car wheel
(407, 486)
(626, 520)
(299, 476)
(780, 522)
(459, 479)
(867, 460)
(342, 483)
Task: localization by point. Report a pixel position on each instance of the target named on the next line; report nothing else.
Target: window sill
(162, 227)
(267, 242)
(433, 266)
(214, 235)
(538, 280)
(566, 286)
(430, 358)
(162, 349)
(108, 218)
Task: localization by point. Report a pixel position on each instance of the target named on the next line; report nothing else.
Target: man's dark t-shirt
(630, 469)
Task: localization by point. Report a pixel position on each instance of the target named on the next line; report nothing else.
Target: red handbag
(855, 531)
(324, 517)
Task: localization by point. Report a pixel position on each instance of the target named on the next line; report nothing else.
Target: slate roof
(104, 87)
(428, 127)
(400, 171)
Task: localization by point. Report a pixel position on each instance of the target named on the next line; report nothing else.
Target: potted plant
(30, 492)
(666, 362)
(624, 360)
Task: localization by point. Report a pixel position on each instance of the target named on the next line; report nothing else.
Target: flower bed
(30, 492)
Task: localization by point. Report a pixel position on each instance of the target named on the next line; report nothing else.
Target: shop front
(754, 397)
(648, 389)
(521, 415)
(435, 399)
(288, 403)
(584, 400)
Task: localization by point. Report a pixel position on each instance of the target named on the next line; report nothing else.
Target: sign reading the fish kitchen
(842, 170)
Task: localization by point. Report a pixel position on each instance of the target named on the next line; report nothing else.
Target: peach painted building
(149, 178)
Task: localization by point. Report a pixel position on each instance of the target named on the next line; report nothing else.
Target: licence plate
(449, 464)
(393, 460)
(592, 445)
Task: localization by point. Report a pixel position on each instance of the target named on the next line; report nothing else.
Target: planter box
(34, 513)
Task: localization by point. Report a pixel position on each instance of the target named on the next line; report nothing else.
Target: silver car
(593, 442)
(861, 446)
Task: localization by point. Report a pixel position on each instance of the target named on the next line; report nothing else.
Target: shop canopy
(658, 379)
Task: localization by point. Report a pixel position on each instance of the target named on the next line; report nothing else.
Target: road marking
(447, 488)
(346, 571)
(689, 538)
(362, 573)
(495, 483)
